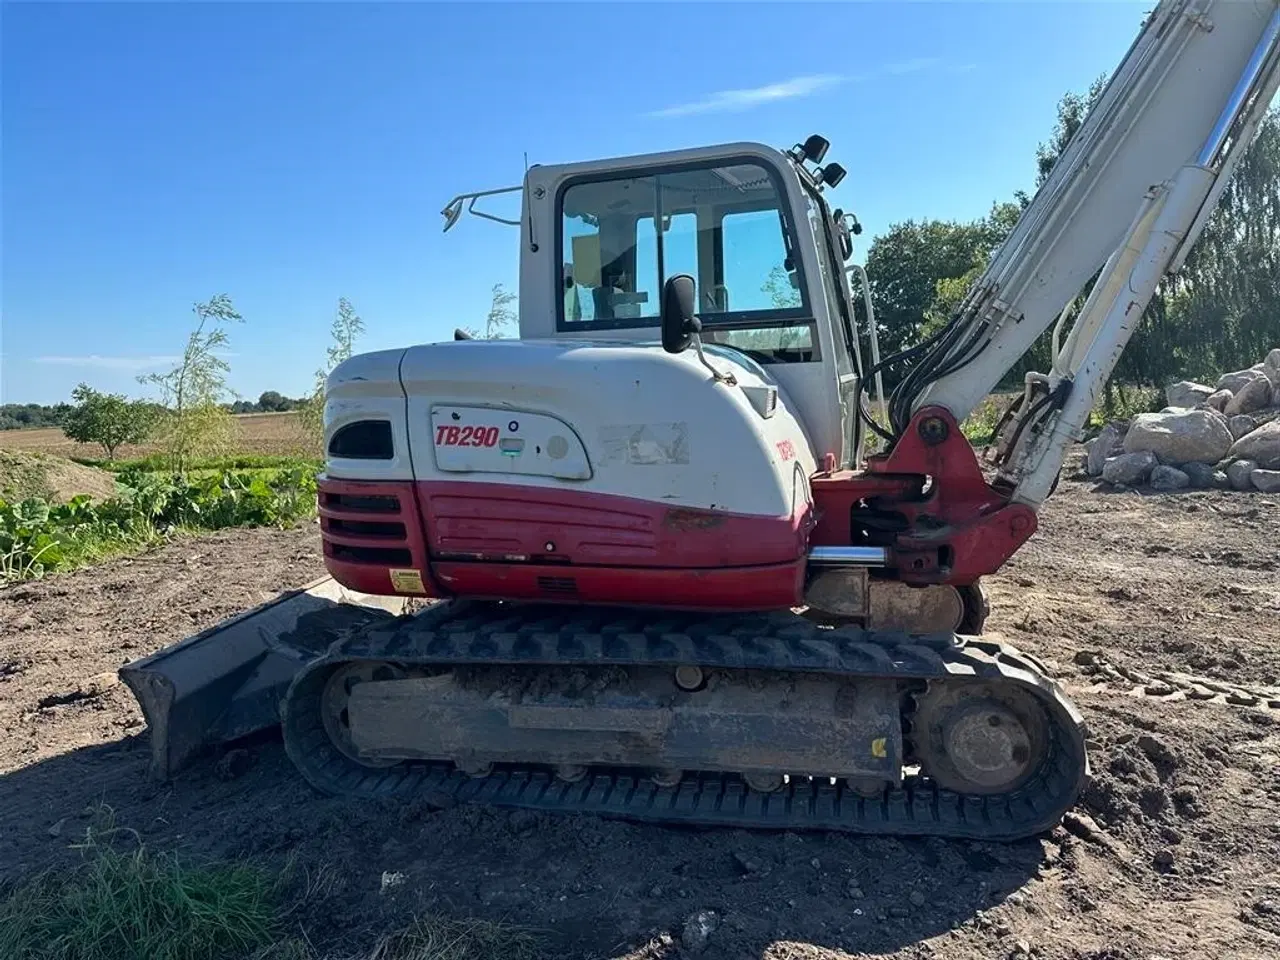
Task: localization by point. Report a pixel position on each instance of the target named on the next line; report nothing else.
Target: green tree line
(23, 416)
(1221, 312)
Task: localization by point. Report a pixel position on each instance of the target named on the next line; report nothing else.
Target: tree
(1072, 110)
(779, 290)
(343, 332)
(271, 402)
(107, 419)
(1222, 310)
(501, 315)
(15, 416)
(195, 421)
(906, 264)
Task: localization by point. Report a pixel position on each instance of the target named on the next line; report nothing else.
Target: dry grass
(279, 434)
(441, 938)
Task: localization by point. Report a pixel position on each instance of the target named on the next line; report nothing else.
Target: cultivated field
(1127, 596)
(261, 433)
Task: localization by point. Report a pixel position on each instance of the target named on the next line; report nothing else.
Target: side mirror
(679, 322)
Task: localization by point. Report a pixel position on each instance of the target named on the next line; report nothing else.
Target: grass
(123, 901)
(443, 938)
(140, 905)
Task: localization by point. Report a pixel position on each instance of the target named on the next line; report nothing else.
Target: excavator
(673, 555)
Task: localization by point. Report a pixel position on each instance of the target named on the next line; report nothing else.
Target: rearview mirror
(679, 322)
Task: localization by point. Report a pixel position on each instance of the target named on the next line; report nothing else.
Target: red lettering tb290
(450, 435)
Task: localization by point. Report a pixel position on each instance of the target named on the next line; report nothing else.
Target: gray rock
(1238, 474)
(1187, 393)
(1219, 399)
(1268, 481)
(1204, 476)
(1107, 444)
(1196, 435)
(1241, 424)
(1271, 366)
(1082, 825)
(917, 898)
(1169, 478)
(1262, 446)
(1254, 395)
(1130, 469)
(698, 929)
(1275, 396)
(1235, 381)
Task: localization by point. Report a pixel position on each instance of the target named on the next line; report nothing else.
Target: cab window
(724, 225)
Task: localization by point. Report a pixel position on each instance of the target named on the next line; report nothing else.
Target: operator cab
(747, 222)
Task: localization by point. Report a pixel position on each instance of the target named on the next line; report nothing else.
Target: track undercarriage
(756, 720)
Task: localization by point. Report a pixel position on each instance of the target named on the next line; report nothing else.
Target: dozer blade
(226, 682)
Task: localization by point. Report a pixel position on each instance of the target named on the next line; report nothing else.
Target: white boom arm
(1130, 194)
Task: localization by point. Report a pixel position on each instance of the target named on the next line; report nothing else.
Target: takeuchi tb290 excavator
(670, 582)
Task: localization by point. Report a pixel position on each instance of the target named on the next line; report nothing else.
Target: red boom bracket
(928, 501)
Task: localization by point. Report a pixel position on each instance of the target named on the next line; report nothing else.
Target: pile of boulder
(1225, 437)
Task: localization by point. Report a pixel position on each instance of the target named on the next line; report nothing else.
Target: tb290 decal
(453, 436)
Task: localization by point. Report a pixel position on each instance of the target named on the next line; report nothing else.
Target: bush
(37, 536)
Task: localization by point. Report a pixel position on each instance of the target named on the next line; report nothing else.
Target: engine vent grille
(558, 586)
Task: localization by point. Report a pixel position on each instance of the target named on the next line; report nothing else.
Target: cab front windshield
(621, 238)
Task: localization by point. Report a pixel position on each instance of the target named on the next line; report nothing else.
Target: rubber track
(538, 635)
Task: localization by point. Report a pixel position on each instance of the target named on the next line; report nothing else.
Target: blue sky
(155, 154)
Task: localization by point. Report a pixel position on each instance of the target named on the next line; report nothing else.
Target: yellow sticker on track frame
(407, 581)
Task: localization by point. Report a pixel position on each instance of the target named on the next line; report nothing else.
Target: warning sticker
(407, 581)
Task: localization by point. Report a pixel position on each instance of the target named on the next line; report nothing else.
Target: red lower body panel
(496, 541)
(728, 588)
(373, 537)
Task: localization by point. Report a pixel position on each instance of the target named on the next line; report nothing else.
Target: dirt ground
(266, 433)
(1172, 852)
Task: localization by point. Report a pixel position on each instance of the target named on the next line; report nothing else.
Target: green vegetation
(196, 421)
(108, 419)
(1221, 312)
(269, 401)
(139, 905)
(37, 535)
(123, 901)
(502, 316)
(158, 463)
(21, 416)
(346, 327)
(980, 426)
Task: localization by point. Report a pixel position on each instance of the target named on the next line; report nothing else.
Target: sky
(153, 155)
